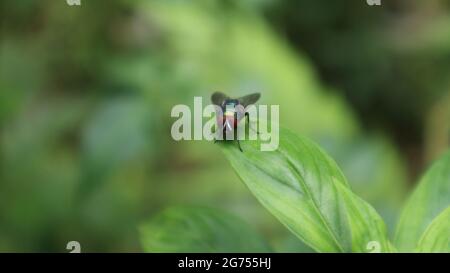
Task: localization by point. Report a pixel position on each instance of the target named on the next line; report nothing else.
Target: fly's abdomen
(229, 121)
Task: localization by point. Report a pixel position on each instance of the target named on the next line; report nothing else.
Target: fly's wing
(249, 99)
(218, 98)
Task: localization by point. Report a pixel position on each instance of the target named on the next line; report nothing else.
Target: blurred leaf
(437, 236)
(304, 188)
(431, 197)
(119, 131)
(194, 229)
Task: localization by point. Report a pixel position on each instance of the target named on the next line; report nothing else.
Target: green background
(86, 93)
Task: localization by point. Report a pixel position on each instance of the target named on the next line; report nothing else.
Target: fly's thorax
(229, 106)
(229, 113)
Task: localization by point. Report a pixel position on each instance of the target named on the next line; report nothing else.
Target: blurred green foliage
(86, 94)
(198, 229)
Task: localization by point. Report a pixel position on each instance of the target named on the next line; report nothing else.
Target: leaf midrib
(308, 192)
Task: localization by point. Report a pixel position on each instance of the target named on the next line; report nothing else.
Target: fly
(232, 114)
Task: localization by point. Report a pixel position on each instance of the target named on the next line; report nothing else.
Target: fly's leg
(239, 145)
(217, 139)
(236, 136)
(247, 116)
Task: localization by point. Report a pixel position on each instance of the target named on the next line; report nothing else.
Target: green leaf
(436, 237)
(430, 198)
(304, 188)
(198, 229)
